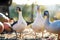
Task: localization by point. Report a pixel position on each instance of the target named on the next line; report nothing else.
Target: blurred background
(29, 8)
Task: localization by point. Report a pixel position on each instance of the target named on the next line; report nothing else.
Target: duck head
(18, 9)
(39, 9)
(46, 14)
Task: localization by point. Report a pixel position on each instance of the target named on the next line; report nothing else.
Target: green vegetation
(28, 12)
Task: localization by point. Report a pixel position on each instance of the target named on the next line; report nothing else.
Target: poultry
(21, 24)
(38, 24)
(52, 27)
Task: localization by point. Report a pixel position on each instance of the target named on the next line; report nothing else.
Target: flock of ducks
(38, 25)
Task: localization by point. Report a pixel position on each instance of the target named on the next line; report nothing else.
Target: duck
(52, 27)
(38, 24)
(21, 23)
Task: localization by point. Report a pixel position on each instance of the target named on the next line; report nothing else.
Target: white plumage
(38, 24)
(21, 24)
(53, 27)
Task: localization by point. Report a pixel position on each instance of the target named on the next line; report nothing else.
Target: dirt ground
(28, 34)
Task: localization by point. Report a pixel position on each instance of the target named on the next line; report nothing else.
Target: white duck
(21, 24)
(53, 27)
(38, 25)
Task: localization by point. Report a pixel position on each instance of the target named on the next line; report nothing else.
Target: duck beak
(45, 17)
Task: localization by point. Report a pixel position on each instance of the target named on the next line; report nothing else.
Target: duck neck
(20, 15)
(47, 21)
(38, 13)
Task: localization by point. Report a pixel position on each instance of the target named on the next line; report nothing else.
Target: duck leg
(35, 35)
(42, 34)
(20, 35)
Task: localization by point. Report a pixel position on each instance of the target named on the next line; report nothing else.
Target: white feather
(21, 24)
(38, 23)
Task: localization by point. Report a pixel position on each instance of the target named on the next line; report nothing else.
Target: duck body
(38, 24)
(21, 24)
(53, 27)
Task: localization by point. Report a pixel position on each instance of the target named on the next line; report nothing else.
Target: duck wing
(55, 26)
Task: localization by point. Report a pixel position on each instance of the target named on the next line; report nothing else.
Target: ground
(28, 34)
